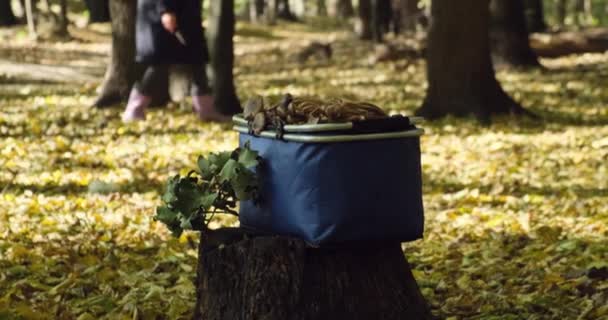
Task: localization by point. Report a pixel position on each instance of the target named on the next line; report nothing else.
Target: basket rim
(307, 138)
(239, 120)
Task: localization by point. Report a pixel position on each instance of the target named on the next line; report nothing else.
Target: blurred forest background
(514, 156)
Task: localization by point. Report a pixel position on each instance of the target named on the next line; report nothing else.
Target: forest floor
(516, 212)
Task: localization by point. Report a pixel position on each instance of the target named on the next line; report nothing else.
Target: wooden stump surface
(281, 278)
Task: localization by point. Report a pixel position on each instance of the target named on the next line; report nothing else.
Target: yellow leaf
(89, 260)
(464, 282)
(20, 251)
(86, 316)
(48, 222)
(28, 313)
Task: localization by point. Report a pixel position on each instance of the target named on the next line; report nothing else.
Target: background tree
(561, 9)
(365, 19)
(321, 8)
(221, 50)
(29, 6)
(405, 14)
(509, 34)
(270, 11)
(583, 12)
(284, 11)
(121, 71)
(340, 8)
(7, 18)
(461, 79)
(63, 18)
(99, 10)
(254, 10)
(374, 19)
(381, 18)
(535, 16)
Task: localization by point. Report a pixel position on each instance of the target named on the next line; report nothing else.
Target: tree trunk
(381, 18)
(377, 32)
(579, 12)
(509, 34)
(121, 72)
(63, 18)
(99, 10)
(588, 4)
(535, 16)
(7, 18)
(29, 13)
(284, 11)
(561, 10)
(270, 12)
(276, 278)
(221, 51)
(461, 79)
(365, 19)
(321, 8)
(406, 14)
(256, 10)
(340, 9)
(583, 12)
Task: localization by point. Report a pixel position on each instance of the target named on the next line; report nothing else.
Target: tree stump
(284, 279)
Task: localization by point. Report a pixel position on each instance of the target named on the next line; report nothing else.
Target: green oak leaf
(169, 195)
(244, 183)
(170, 218)
(228, 171)
(248, 157)
(219, 159)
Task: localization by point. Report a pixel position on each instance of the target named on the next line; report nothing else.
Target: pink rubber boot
(136, 107)
(204, 108)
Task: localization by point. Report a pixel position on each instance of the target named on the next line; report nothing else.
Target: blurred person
(170, 32)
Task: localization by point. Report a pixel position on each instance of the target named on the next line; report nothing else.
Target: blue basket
(328, 186)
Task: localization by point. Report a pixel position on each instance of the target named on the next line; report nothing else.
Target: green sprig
(222, 179)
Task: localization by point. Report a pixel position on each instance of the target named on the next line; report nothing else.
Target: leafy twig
(222, 179)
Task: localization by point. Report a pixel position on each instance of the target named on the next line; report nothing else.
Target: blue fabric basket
(332, 187)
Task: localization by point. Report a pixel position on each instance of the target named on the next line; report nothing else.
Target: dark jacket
(155, 45)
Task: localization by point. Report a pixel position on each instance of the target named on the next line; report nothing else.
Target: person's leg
(140, 95)
(202, 99)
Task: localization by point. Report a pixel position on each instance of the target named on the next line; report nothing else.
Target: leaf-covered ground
(516, 212)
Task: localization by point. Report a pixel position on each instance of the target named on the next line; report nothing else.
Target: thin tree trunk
(535, 16)
(284, 11)
(365, 19)
(461, 79)
(509, 34)
(321, 8)
(121, 72)
(63, 18)
(221, 50)
(99, 10)
(29, 13)
(270, 12)
(340, 9)
(589, 9)
(276, 278)
(256, 10)
(579, 12)
(561, 9)
(406, 14)
(377, 32)
(381, 18)
(7, 18)
(583, 12)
